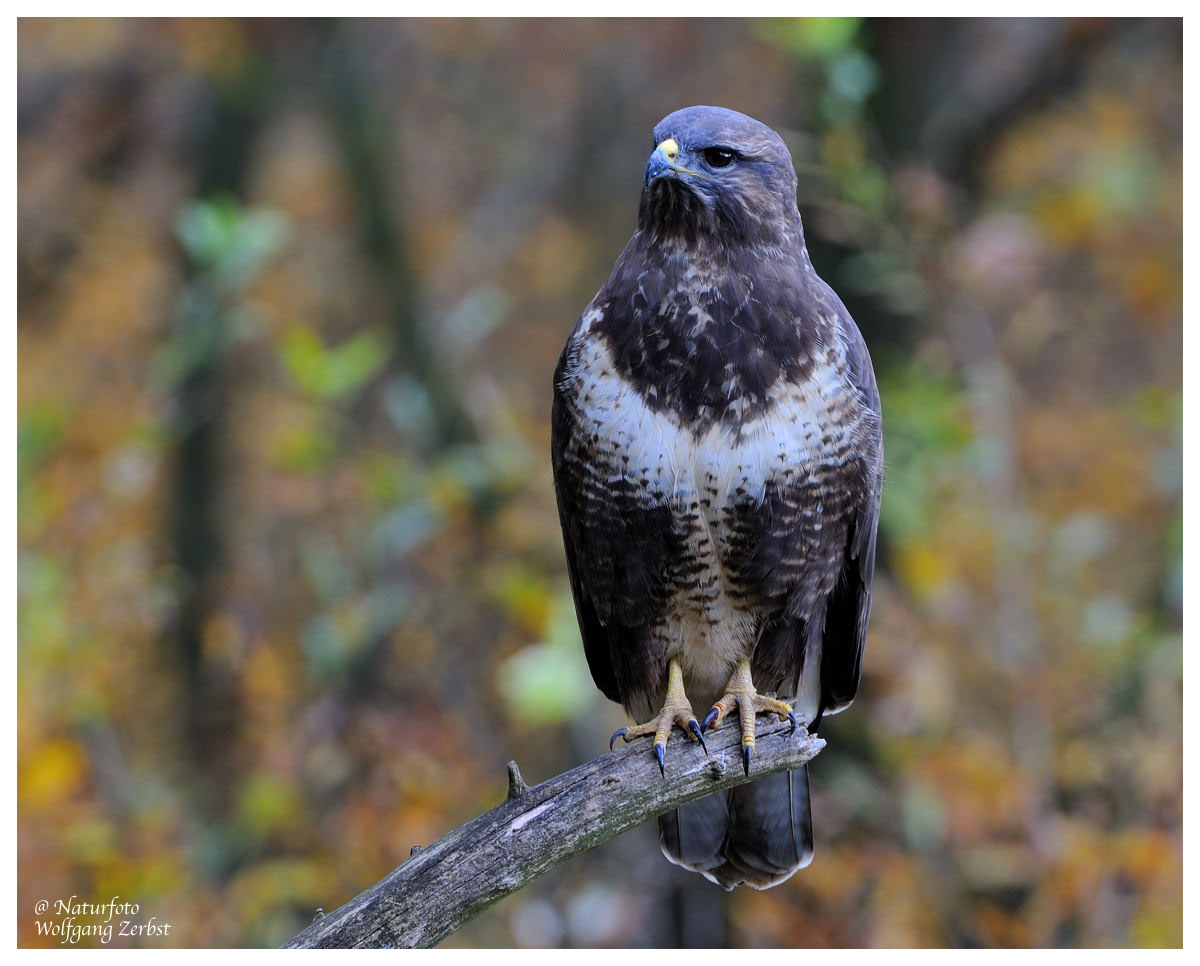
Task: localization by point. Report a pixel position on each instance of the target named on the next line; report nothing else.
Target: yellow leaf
(51, 774)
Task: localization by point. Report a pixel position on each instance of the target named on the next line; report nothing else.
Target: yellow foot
(740, 693)
(676, 710)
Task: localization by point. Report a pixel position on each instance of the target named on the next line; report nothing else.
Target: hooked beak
(662, 163)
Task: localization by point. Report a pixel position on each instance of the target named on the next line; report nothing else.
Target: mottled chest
(797, 431)
(703, 346)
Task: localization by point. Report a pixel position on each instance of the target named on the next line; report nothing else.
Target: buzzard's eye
(718, 157)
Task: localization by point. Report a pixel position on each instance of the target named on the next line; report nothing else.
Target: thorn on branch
(516, 784)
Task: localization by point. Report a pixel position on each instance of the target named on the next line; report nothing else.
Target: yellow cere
(670, 148)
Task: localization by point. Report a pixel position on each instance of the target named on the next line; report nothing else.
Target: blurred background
(292, 589)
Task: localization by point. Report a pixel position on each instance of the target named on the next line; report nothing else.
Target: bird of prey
(717, 455)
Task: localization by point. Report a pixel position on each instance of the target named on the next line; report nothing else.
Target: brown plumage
(718, 458)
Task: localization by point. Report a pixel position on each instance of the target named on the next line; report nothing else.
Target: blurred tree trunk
(229, 117)
(367, 145)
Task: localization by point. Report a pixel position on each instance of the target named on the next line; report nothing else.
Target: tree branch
(441, 887)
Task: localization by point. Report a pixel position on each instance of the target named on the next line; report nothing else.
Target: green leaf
(547, 683)
(816, 38)
(332, 374)
(228, 241)
(38, 435)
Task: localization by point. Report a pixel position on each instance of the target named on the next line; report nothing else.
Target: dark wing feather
(849, 607)
(619, 545)
(594, 634)
(846, 615)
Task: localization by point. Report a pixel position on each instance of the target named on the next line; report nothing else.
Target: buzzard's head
(720, 175)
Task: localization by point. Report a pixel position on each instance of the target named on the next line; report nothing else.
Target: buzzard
(717, 459)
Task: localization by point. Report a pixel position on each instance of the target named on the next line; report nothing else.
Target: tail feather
(770, 831)
(693, 836)
(756, 835)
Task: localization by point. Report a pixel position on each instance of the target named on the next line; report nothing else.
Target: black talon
(709, 719)
(620, 732)
(793, 719)
(746, 749)
(698, 733)
(660, 753)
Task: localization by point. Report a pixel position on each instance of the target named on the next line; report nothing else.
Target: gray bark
(441, 887)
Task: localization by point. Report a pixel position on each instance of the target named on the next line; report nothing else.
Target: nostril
(670, 149)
